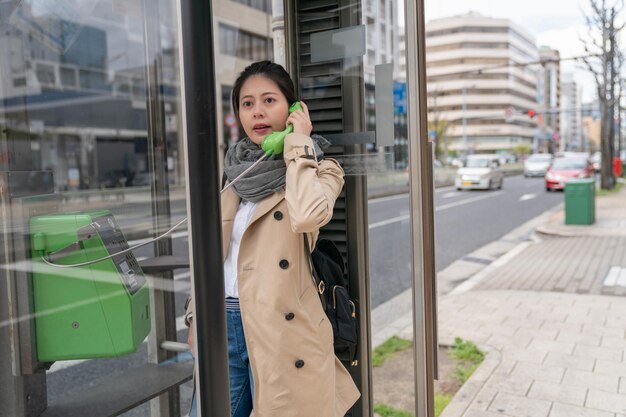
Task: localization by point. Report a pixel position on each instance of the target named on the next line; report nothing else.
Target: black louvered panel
(320, 86)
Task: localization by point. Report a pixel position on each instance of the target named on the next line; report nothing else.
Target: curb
(468, 392)
(478, 277)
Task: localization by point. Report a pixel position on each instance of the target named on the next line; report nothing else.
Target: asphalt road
(464, 221)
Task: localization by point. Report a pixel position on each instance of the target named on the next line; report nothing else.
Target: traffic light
(531, 113)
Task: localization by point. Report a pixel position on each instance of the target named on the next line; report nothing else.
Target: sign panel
(338, 44)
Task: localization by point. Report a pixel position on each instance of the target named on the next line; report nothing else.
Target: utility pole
(464, 122)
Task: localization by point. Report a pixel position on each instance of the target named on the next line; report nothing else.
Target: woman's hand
(301, 121)
(191, 336)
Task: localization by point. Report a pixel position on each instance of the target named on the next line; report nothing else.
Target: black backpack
(328, 270)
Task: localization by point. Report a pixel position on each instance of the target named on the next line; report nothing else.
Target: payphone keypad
(126, 264)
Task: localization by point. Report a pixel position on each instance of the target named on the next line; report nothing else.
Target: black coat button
(284, 263)
(278, 215)
(290, 316)
(299, 364)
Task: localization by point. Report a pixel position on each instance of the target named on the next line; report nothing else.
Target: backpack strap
(319, 283)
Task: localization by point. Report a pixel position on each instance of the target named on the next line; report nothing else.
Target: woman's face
(263, 108)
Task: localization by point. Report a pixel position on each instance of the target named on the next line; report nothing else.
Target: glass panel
(390, 239)
(329, 89)
(91, 161)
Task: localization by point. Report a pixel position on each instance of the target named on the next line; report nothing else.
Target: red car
(566, 168)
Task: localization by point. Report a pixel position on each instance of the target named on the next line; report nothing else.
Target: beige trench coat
(289, 338)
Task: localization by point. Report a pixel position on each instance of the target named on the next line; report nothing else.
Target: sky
(554, 23)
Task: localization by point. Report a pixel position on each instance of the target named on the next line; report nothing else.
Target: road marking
(527, 197)
(451, 194)
(389, 221)
(615, 277)
(440, 208)
(390, 198)
(467, 201)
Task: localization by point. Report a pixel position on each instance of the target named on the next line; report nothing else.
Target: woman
(280, 343)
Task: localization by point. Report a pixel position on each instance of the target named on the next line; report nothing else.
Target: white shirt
(242, 220)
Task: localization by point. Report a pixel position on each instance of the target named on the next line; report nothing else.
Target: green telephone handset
(274, 142)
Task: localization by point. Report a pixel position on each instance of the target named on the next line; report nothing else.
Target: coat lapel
(230, 202)
(266, 205)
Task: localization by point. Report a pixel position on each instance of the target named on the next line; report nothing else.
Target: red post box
(617, 167)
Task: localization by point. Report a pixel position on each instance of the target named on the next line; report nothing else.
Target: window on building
(68, 77)
(45, 74)
(242, 44)
(262, 5)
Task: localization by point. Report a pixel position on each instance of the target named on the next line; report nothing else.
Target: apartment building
(477, 85)
(571, 120)
(549, 101)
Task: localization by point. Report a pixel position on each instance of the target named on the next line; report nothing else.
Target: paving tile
(613, 342)
(548, 316)
(585, 320)
(498, 329)
(622, 385)
(565, 410)
(541, 334)
(538, 372)
(523, 323)
(616, 322)
(562, 327)
(558, 393)
(485, 397)
(591, 380)
(508, 384)
(517, 406)
(606, 401)
(551, 346)
(604, 331)
(524, 354)
(482, 413)
(571, 310)
(610, 368)
(581, 338)
(502, 341)
(611, 354)
(569, 361)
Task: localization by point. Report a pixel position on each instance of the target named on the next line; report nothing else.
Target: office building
(476, 84)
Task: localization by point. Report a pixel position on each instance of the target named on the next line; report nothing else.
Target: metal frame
(202, 177)
(163, 315)
(422, 213)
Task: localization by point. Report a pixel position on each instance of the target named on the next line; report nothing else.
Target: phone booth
(114, 120)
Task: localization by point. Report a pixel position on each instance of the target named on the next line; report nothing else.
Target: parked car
(537, 164)
(565, 168)
(480, 172)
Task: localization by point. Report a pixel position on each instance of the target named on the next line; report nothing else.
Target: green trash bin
(580, 201)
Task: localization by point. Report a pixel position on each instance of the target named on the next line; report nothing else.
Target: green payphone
(83, 309)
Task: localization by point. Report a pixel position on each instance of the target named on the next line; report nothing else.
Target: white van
(480, 171)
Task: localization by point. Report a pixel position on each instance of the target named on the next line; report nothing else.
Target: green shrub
(392, 345)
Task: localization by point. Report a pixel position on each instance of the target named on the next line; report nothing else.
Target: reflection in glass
(390, 239)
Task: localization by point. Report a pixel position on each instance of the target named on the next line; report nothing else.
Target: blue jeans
(241, 386)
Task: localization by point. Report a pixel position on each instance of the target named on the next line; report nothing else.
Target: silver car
(537, 164)
(480, 172)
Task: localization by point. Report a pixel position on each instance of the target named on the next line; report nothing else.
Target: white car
(480, 172)
(537, 164)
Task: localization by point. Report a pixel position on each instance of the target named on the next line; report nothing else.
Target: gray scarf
(268, 177)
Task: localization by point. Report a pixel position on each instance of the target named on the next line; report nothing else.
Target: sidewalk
(551, 318)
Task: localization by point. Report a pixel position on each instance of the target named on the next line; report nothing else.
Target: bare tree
(438, 125)
(604, 61)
